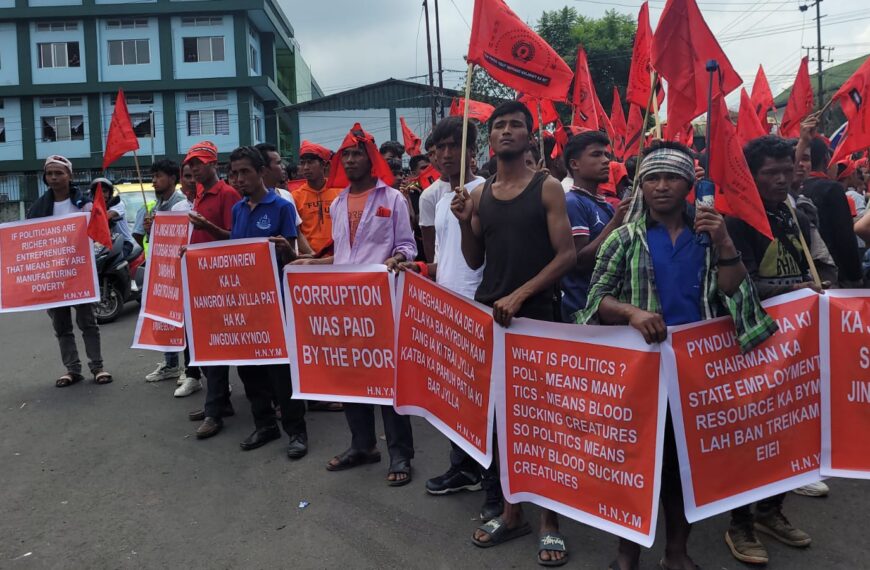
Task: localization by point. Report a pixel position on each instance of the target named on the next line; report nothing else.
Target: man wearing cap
(314, 198)
(651, 274)
(372, 226)
(212, 219)
(63, 198)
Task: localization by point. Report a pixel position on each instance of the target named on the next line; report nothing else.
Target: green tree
(608, 42)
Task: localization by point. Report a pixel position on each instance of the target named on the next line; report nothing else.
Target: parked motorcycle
(120, 276)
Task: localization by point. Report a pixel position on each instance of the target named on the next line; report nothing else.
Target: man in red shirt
(212, 219)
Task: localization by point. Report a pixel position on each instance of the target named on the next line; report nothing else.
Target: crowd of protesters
(549, 239)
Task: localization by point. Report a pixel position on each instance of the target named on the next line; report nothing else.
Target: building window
(60, 102)
(59, 54)
(255, 59)
(57, 26)
(63, 128)
(202, 21)
(200, 123)
(207, 48)
(141, 124)
(136, 98)
(205, 96)
(129, 52)
(126, 24)
(258, 129)
(2, 130)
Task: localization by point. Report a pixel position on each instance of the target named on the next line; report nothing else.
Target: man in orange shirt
(313, 198)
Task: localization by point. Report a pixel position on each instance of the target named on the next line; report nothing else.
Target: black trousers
(217, 390)
(742, 516)
(361, 420)
(271, 383)
(190, 371)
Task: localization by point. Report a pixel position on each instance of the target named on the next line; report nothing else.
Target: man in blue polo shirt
(261, 213)
(592, 218)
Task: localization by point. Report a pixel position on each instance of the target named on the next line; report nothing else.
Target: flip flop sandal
(68, 379)
(499, 532)
(351, 458)
(401, 466)
(552, 542)
(102, 377)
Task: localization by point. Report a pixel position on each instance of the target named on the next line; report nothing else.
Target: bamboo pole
(464, 152)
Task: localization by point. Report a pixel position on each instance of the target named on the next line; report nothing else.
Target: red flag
(98, 224)
(633, 131)
(413, 144)
(428, 176)
(736, 193)
(748, 122)
(603, 119)
(641, 68)
(681, 48)
(548, 110)
(617, 120)
(357, 136)
(583, 95)
(513, 54)
(762, 98)
(800, 102)
(852, 96)
(121, 138)
(476, 110)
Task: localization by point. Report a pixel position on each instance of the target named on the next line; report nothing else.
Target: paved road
(112, 477)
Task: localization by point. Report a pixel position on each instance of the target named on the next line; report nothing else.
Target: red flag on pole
(633, 131)
(800, 102)
(513, 54)
(617, 120)
(748, 122)
(681, 48)
(548, 110)
(603, 119)
(736, 193)
(641, 68)
(121, 138)
(98, 224)
(428, 176)
(476, 109)
(762, 98)
(853, 96)
(413, 144)
(583, 95)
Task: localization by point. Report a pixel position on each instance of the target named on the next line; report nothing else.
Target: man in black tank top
(517, 224)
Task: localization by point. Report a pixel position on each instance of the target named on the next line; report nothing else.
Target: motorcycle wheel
(111, 303)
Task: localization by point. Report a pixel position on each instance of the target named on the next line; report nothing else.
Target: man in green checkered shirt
(652, 273)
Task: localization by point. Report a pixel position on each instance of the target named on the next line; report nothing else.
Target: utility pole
(819, 47)
(440, 67)
(429, 53)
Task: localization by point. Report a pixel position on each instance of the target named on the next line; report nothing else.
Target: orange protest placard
(47, 262)
(444, 368)
(340, 325)
(157, 335)
(748, 425)
(845, 330)
(162, 298)
(581, 423)
(232, 303)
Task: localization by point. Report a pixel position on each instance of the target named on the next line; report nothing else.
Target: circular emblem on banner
(523, 51)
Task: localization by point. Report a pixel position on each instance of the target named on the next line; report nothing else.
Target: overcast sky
(349, 43)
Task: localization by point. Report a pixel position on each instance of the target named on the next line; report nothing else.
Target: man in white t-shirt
(61, 198)
(451, 271)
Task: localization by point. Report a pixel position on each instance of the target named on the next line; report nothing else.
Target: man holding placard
(63, 197)
(652, 273)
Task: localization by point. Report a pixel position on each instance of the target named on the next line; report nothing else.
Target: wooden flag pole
(141, 186)
(463, 157)
(814, 273)
(636, 207)
(541, 131)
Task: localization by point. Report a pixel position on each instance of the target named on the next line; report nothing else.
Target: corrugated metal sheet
(392, 93)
